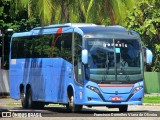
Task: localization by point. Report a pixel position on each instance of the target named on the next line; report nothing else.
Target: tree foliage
(62, 11)
(145, 19)
(18, 22)
(142, 16)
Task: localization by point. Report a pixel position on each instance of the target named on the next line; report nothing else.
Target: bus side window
(45, 49)
(27, 47)
(21, 47)
(56, 45)
(14, 48)
(66, 47)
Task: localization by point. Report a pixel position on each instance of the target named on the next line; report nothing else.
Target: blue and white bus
(77, 64)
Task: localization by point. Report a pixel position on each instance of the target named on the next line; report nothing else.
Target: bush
(145, 19)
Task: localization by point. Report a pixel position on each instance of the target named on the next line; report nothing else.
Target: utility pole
(2, 51)
(3, 79)
(2, 36)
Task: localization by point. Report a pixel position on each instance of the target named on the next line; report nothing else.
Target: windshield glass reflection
(114, 60)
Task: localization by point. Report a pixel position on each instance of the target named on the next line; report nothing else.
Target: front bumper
(94, 99)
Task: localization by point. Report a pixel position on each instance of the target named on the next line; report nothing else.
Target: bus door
(77, 59)
(78, 67)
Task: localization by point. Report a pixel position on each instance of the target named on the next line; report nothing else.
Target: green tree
(146, 20)
(106, 11)
(4, 15)
(7, 20)
(62, 11)
(120, 9)
(42, 9)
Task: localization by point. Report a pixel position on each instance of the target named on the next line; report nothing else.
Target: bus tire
(23, 99)
(72, 106)
(29, 98)
(123, 108)
(33, 104)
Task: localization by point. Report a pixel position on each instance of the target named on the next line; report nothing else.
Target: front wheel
(71, 106)
(123, 108)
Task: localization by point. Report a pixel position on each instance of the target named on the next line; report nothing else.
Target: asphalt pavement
(13, 109)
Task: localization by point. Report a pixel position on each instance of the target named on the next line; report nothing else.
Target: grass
(14, 104)
(151, 99)
(18, 104)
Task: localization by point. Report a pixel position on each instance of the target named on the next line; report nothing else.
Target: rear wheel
(33, 104)
(123, 108)
(23, 99)
(29, 98)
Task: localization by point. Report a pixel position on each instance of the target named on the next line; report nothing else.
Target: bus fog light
(89, 99)
(139, 99)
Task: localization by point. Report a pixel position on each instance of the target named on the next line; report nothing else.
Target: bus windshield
(114, 60)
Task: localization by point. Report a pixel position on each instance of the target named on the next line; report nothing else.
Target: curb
(152, 94)
(4, 97)
(151, 104)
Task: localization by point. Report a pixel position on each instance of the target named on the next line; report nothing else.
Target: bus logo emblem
(116, 92)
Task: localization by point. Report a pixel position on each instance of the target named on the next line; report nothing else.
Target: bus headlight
(93, 89)
(137, 89)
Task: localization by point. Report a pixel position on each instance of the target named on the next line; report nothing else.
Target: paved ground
(13, 108)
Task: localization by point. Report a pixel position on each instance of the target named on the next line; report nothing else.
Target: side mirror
(85, 57)
(149, 56)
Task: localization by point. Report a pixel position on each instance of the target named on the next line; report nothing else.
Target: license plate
(116, 98)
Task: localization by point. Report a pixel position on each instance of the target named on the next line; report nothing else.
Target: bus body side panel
(54, 84)
(16, 77)
(49, 84)
(64, 76)
(36, 78)
(48, 78)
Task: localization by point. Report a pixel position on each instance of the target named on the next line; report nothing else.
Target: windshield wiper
(106, 70)
(123, 70)
(103, 80)
(107, 67)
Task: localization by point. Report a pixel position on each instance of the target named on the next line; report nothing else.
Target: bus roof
(115, 31)
(85, 27)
